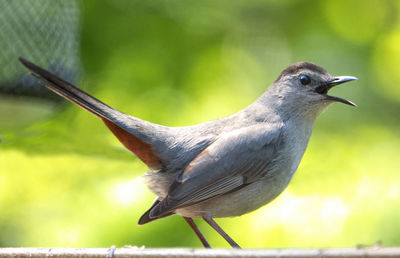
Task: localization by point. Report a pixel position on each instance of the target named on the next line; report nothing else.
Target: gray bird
(226, 167)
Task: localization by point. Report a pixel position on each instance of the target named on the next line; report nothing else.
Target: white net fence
(45, 32)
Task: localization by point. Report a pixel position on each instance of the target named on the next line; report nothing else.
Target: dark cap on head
(296, 67)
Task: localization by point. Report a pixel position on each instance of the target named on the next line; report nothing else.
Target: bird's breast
(297, 136)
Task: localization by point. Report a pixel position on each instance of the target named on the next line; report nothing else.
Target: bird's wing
(137, 135)
(236, 159)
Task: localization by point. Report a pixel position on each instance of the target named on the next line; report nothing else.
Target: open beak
(323, 89)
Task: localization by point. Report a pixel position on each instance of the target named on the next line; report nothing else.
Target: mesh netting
(45, 32)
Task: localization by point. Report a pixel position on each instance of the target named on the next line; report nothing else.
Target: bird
(221, 168)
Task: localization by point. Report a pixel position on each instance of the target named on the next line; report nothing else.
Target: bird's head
(304, 86)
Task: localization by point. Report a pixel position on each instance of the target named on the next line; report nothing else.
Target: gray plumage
(226, 167)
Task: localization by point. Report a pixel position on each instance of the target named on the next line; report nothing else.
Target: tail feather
(68, 91)
(136, 134)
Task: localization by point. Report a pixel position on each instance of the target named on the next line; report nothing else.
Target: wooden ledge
(187, 252)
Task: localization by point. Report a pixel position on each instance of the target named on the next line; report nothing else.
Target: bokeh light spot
(314, 216)
(358, 21)
(386, 63)
(127, 193)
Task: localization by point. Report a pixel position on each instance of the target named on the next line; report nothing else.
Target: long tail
(137, 135)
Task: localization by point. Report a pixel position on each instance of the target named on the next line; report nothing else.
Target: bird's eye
(304, 79)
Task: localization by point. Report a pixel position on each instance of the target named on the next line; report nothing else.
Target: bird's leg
(220, 231)
(197, 231)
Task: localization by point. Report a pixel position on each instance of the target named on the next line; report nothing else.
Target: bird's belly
(247, 199)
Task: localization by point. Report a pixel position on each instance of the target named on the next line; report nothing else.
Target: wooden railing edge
(376, 252)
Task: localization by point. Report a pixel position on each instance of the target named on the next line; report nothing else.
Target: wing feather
(236, 158)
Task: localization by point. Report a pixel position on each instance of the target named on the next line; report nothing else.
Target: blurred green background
(65, 181)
